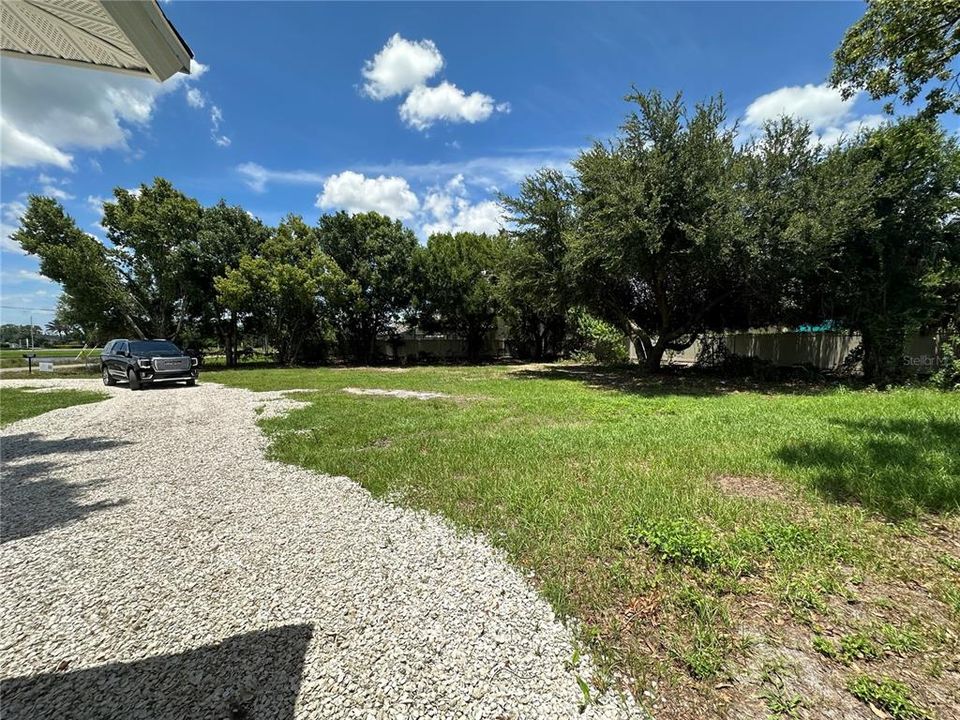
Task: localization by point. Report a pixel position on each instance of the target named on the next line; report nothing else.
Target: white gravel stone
(155, 565)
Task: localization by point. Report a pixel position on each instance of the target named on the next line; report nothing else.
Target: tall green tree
(781, 226)
(659, 245)
(903, 48)
(97, 297)
(153, 231)
(891, 203)
(535, 283)
(288, 291)
(375, 254)
(456, 289)
(226, 233)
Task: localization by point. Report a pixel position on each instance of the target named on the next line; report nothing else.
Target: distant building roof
(129, 36)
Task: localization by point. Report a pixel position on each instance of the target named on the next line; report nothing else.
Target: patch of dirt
(406, 394)
(754, 487)
(380, 442)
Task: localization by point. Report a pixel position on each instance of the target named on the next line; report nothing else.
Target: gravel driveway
(155, 565)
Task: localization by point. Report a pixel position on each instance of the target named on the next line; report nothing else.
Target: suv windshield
(160, 348)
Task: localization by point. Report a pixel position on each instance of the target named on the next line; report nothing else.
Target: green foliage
(680, 540)
(94, 295)
(947, 376)
(825, 646)
(153, 231)
(888, 695)
(891, 198)
(456, 290)
(535, 284)
(225, 235)
(288, 291)
(592, 340)
(900, 48)
(375, 254)
(658, 245)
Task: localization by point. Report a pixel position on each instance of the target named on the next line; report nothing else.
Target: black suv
(141, 362)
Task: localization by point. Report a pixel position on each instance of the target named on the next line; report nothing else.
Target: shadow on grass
(898, 467)
(670, 381)
(34, 499)
(255, 675)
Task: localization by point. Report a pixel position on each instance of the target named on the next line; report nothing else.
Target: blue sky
(421, 111)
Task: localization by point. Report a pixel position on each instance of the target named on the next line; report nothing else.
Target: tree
(901, 47)
(659, 243)
(97, 299)
(153, 231)
(891, 206)
(288, 291)
(781, 226)
(457, 286)
(375, 254)
(225, 234)
(535, 284)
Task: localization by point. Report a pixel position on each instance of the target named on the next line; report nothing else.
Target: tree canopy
(902, 48)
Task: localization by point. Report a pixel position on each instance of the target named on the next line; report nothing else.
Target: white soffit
(129, 36)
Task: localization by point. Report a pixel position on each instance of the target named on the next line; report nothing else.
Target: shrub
(594, 341)
(947, 377)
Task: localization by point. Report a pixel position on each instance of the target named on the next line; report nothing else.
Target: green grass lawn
(710, 536)
(22, 402)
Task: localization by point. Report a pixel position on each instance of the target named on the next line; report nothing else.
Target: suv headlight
(143, 362)
(193, 362)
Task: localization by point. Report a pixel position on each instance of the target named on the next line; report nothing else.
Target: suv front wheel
(133, 379)
(107, 379)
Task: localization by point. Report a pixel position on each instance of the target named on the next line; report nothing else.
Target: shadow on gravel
(33, 501)
(31, 445)
(245, 677)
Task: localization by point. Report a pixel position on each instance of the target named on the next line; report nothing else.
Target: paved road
(154, 565)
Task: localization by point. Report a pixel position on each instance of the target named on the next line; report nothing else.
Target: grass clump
(888, 695)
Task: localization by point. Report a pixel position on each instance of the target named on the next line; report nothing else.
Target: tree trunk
(654, 356)
(882, 354)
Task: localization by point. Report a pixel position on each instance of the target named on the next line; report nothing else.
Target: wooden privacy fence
(823, 350)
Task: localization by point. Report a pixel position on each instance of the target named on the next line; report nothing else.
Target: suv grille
(171, 364)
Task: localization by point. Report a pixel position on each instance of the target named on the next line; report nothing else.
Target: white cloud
(195, 98)
(483, 217)
(95, 203)
(256, 176)
(401, 65)
(448, 210)
(21, 149)
(833, 135)
(56, 192)
(820, 105)
(354, 192)
(10, 214)
(426, 105)
(829, 115)
(404, 66)
(21, 276)
(49, 110)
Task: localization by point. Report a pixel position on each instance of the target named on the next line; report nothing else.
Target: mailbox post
(29, 357)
